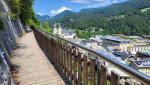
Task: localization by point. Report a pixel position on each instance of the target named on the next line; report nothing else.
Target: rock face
(12, 28)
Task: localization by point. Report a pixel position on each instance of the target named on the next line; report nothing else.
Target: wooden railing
(82, 69)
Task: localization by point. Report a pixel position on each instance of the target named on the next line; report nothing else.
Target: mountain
(117, 8)
(121, 18)
(66, 13)
(109, 11)
(43, 18)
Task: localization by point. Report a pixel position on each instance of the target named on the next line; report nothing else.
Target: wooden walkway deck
(34, 67)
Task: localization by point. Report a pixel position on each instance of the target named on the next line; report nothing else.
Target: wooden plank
(115, 78)
(85, 71)
(61, 56)
(63, 65)
(52, 44)
(70, 52)
(103, 75)
(55, 51)
(75, 66)
(92, 71)
(98, 73)
(79, 69)
(67, 62)
(64, 59)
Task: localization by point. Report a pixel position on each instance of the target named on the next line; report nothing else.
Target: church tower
(55, 29)
(59, 29)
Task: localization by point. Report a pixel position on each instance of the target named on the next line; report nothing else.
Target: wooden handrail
(61, 52)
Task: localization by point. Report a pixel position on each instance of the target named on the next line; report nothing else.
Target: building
(97, 38)
(142, 66)
(123, 55)
(95, 45)
(136, 47)
(146, 36)
(113, 41)
(143, 55)
(58, 30)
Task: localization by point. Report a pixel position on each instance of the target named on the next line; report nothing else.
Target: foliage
(26, 11)
(131, 24)
(1, 25)
(23, 8)
(15, 6)
(12, 16)
(32, 23)
(86, 33)
(46, 27)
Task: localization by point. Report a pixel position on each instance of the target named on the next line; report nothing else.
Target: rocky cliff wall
(13, 28)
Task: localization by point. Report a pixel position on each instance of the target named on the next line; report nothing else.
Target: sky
(54, 7)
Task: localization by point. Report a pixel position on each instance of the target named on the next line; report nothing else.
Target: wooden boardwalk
(34, 67)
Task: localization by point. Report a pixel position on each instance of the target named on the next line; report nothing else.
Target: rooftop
(142, 63)
(146, 52)
(116, 39)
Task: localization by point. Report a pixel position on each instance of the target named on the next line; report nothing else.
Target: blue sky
(54, 7)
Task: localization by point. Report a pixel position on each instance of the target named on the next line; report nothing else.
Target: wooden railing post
(103, 75)
(63, 57)
(85, 71)
(65, 61)
(75, 66)
(98, 73)
(92, 71)
(59, 55)
(68, 62)
(71, 53)
(79, 69)
(115, 78)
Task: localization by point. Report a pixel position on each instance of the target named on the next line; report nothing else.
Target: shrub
(12, 16)
(15, 6)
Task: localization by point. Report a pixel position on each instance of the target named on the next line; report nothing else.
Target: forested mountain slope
(123, 18)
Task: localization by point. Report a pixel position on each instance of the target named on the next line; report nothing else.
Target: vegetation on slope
(47, 27)
(23, 9)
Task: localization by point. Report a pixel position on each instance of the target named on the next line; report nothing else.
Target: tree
(15, 6)
(26, 11)
(46, 27)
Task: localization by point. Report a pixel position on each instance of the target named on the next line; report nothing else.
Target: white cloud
(80, 1)
(95, 3)
(55, 12)
(115, 1)
(41, 14)
(102, 3)
(86, 1)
